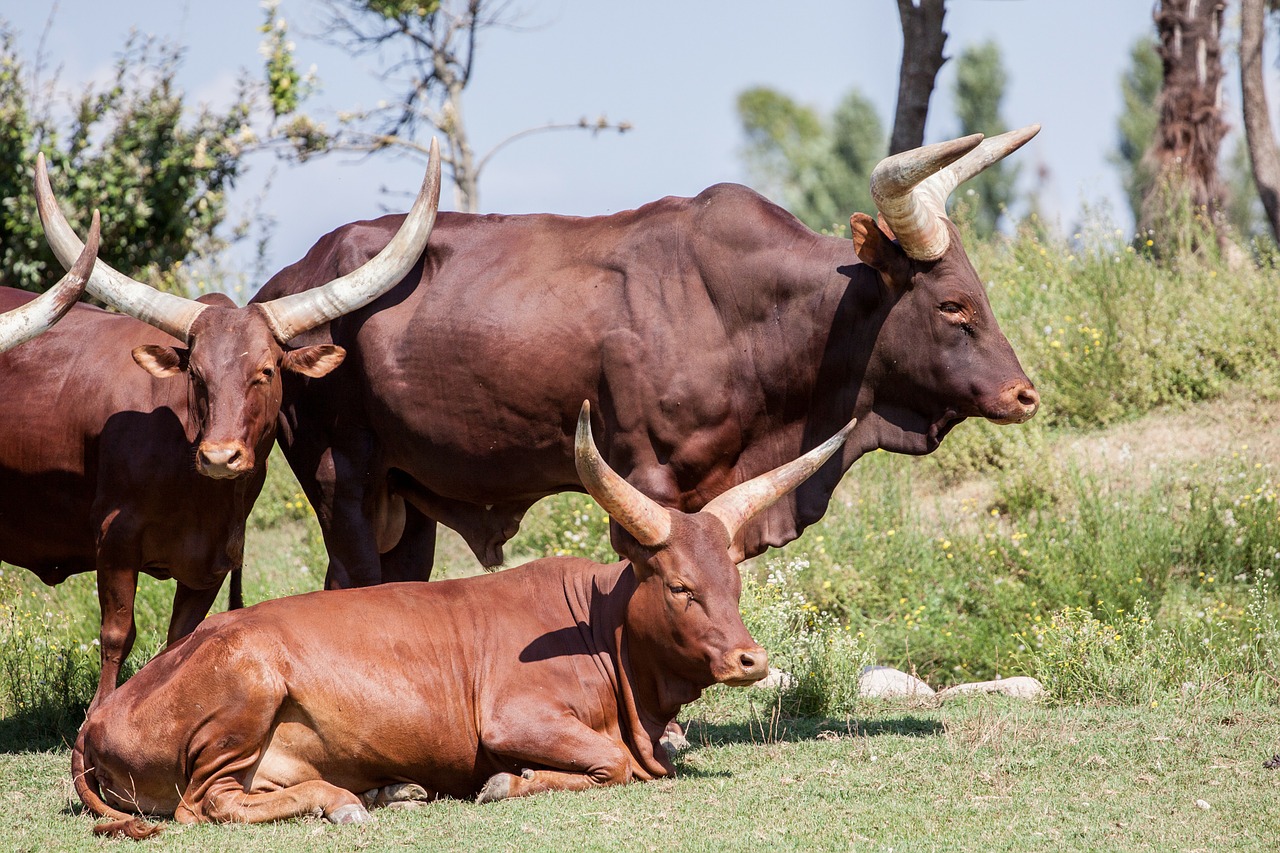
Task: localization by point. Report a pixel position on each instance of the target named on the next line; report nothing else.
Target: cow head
(940, 356)
(233, 358)
(684, 612)
(23, 324)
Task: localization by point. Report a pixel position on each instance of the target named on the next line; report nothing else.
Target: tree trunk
(1184, 153)
(1263, 153)
(922, 42)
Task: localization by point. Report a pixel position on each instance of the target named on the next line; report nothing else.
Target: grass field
(982, 775)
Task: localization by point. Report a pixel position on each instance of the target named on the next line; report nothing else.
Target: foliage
(396, 9)
(569, 524)
(286, 87)
(979, 89)
(133, 149)
(1125, 657)
(819, 168)
(821, 658)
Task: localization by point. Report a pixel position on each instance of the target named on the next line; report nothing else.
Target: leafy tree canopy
(158, 173)
(819, 168)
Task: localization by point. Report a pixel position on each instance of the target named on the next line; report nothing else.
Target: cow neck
(642, 711)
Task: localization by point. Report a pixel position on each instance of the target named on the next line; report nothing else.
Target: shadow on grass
(40, 729)
(798, 729)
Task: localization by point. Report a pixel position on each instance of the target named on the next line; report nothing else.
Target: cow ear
(159, 361)
(877, 250)
(632, 551)
(314, 361)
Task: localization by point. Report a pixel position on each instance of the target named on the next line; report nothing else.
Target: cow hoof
(399, 794)
(404, 792)
(350, 813)
(497, 788)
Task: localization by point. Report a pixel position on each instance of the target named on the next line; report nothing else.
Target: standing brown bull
(718, 335)
(558, 675)
(21, 324)
(110, 468)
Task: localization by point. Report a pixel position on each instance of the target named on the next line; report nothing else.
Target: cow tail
(235, 590)
(127, 825)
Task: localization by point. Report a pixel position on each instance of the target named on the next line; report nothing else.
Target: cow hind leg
(399, 795)
(229, 803)
(190, 606)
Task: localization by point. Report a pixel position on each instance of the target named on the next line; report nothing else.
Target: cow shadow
(700, 733)
(40, 730)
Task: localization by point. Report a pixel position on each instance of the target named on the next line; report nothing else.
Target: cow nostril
(747, 661)
(1029, 397)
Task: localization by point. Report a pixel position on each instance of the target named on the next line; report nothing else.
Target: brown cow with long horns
(720, 336)
(560, 675)
(105, 466)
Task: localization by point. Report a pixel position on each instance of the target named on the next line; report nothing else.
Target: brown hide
(99, 472)
(558, 675)
(716, 336)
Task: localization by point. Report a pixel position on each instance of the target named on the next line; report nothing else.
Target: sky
(672, 68)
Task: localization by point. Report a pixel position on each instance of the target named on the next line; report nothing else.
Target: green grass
(981, 775)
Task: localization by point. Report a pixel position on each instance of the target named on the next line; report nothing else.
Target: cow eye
(951, 308)
(677, 589)
(268, 372)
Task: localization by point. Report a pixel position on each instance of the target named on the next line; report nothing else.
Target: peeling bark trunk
(1184, 153)
(1263, 154)
(922, 43)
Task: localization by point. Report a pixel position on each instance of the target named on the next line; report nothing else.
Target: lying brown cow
(559, 675)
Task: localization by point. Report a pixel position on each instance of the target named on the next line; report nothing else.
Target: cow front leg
(570, 756)
(190, 606)
(116, 591)
(227, 802)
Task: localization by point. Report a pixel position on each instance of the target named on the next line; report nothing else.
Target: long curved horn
(294, 314)
(166, 311)
(23, 324)
(744, 501)
(639, 515)
(911, 188)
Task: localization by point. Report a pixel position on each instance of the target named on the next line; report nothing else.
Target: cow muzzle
(1016, 404)
(224, 460)
(744, 666)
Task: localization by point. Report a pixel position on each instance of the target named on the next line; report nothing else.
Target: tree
(433, 43)
(922, 43)
(1184, 154)
(980, 87)
(158, 174)
(1261, 141)
(819, 169)
(1136, 127)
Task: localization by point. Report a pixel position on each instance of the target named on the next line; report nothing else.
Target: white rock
(776, 678)
(1019, 687)
(1202, 804)
(885, 682)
